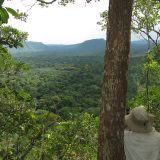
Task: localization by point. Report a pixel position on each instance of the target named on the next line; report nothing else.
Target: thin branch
(149, 37)
(158, 33)
(143, 36)
(35, 139)
(31, 6)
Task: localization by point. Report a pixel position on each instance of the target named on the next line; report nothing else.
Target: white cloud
(59, 24)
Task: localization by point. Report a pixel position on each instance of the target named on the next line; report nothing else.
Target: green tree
(19, 123)
(145, 18)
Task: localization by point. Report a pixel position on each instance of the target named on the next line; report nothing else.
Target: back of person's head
(139, 120)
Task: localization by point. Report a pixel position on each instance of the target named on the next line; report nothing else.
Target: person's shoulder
(152, 133)
(155, 133)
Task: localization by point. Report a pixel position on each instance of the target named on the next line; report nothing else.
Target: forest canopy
(50, 103)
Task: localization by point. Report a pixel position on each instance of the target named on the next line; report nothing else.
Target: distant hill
(138, 48)
(86, 48)
(89, 47)
(30, 46)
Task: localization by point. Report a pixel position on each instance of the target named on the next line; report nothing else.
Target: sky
(57, 24)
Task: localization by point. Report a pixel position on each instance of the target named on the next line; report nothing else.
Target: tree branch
(148, 35)
(31, 6)
(157, 32)
(35, 139)
(44, 2)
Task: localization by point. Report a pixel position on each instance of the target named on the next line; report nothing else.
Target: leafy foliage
(146, 17)
(148, 93)
(58, 87)
(12, 37)
(50, 111)
(75, 139)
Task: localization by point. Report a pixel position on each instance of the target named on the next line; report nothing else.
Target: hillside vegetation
(55, 104)
(69, 79)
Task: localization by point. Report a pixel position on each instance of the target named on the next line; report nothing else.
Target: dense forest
(64, 91)
(67, 83)
(50, 95)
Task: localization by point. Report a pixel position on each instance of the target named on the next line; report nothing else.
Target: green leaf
(4, 16)
(23, 95)
(12, 11)
(1, 2)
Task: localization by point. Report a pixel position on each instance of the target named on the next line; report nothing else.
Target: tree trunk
(114, 89)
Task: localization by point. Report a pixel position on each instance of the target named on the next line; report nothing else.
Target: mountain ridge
(88, 47)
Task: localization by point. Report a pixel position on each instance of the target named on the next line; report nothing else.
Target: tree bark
(114, 88)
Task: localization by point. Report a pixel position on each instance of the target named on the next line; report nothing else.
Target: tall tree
(114, 89)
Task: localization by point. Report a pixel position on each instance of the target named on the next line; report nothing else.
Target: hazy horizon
(78, 42)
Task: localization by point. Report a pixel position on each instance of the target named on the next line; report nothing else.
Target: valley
(67, 79)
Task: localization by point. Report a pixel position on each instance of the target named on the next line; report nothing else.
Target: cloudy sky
(58, 24)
